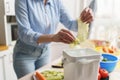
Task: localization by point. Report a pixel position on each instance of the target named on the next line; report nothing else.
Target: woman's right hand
(64, 36)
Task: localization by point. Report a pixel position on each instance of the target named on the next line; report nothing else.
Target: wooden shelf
(3, 47)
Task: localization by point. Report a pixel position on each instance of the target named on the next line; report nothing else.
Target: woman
(37, 21)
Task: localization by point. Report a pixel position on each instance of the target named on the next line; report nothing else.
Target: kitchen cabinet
(9, 71)
(6, 9)
(2, 70)
(6, 62)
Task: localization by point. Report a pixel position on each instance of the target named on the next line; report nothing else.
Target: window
(106, 25)
(108, 8)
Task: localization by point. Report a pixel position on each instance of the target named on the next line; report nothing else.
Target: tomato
(103, 73)
(99, 76)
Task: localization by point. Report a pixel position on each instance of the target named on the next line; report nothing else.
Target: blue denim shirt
(31, 19)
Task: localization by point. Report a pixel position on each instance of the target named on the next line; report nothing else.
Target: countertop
(30, 76)
(115, 75)
(4, 50)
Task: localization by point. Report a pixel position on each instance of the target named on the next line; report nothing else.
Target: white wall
(70, 6)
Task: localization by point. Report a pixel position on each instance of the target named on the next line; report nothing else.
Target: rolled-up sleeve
(25, 32)
(65, 18)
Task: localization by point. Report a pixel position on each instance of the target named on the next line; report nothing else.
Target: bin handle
(86, 61)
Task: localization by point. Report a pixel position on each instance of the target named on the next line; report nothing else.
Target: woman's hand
(86, 15)
(64, 36)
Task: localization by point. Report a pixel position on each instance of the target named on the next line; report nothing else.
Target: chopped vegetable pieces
(53, 75)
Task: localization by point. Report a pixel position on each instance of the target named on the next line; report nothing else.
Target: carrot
(105, 49)
(39, 76)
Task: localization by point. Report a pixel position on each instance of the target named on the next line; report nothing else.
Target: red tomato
(99, 76)
(103, 73)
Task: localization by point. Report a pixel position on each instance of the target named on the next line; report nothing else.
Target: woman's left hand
(87, 15)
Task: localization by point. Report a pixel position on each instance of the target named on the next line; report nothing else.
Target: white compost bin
(81, 64)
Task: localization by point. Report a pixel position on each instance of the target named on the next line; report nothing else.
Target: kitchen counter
(48, 66)
(115, 75)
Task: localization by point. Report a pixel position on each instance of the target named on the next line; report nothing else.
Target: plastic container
(81, 64)
(111, 62)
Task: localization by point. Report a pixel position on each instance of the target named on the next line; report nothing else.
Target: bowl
(108, 62)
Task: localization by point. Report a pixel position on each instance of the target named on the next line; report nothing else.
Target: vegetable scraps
(82, 33)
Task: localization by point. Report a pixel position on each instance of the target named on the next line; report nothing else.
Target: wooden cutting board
(3, 47)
